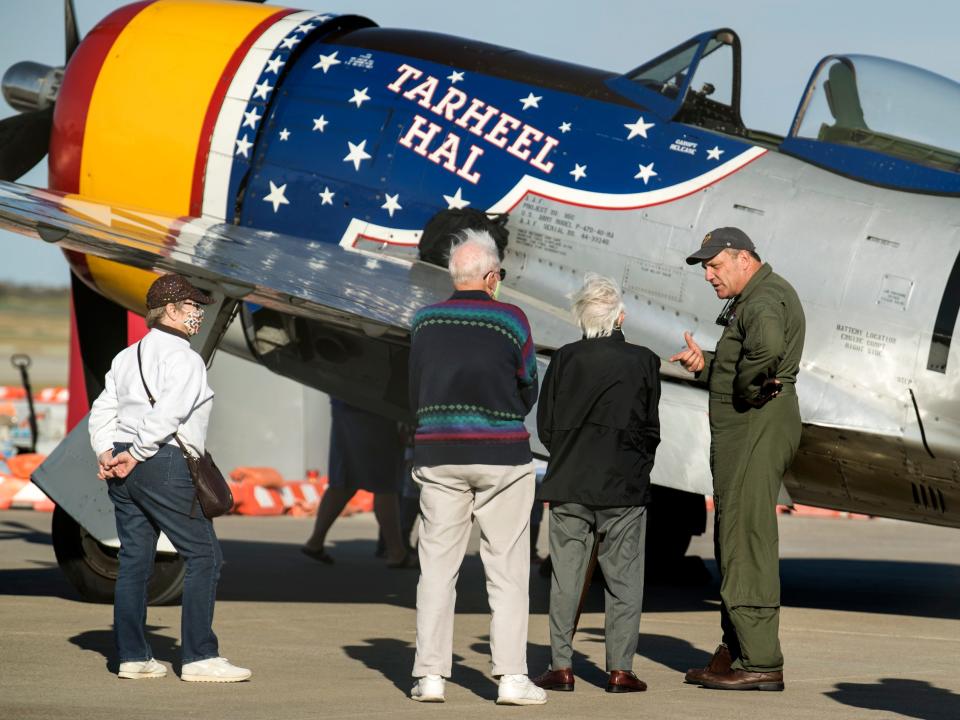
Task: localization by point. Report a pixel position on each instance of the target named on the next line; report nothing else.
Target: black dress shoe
(743, 680)
(561, 679)
(622, 681)
(719, 663)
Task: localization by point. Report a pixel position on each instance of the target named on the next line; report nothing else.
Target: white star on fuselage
(326, 197)
(276, 196)
(357, 154)
(320, 123)
(243, 146)
(289, 42)
(304, 28)
(646, 172)
(392, 204)
(565, 127)
(284, 134)
(455, 77)
(274, 65)
(531, 100)
(251, 118)
(579, 171)
(638, 128)
(359, 96)
(326, 62)
(261, 90)
(715, 153)
(456, 201)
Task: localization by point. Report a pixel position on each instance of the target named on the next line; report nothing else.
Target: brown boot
(622, 681)
(719, 663)
(743, 680)
(560, 679)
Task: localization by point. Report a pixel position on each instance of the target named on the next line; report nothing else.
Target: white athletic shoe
(142, 670)
(518, 690)
(216, 669)
(429, 688)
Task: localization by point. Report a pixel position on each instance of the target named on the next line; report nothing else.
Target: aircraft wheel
(91, 567)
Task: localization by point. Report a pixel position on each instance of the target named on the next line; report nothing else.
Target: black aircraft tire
(91, 567)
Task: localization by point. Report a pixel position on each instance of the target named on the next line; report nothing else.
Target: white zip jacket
(177, 378)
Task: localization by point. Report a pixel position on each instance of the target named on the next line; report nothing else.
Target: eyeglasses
(192, 304)
(501, 272)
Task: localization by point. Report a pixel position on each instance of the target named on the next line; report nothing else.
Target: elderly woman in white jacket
(155, 389)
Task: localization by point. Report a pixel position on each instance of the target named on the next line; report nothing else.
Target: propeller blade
(70, 28)
(24, 140)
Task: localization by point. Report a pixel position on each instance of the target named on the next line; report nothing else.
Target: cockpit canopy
(885, 106)
(666, 84)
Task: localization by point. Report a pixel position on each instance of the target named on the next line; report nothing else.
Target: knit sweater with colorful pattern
(473, 379)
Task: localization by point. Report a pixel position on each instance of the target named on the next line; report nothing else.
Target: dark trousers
(573, 528)
(157, 496)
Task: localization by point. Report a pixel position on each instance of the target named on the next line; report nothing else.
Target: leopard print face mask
(194, 320)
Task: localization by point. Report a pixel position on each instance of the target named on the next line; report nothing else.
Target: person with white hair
(473, 379)
(598, 417)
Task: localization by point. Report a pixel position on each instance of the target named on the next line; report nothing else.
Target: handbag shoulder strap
(183, 448)
(143, 379)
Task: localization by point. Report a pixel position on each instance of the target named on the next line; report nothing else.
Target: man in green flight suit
(754, 434)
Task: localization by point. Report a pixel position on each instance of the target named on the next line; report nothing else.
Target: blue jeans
(156, 496)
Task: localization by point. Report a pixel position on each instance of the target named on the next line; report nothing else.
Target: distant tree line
(32, 292)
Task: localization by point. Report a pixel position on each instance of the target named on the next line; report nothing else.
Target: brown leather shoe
(719, 663)
(560, 679)
(743, 680)
(622, 681)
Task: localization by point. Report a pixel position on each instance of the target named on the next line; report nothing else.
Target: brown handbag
(213, 491)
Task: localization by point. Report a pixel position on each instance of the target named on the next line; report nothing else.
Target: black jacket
(598, 418)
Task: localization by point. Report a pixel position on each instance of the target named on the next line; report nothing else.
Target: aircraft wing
(295, 275)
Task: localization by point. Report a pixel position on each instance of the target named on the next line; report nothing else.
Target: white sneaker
(142, 670)
(518, 690)
(216, 669)
(428, 689)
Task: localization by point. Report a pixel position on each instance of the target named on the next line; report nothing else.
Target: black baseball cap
(725, 238)
(173, 289)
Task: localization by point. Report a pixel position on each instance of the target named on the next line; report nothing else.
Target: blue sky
(782, 41)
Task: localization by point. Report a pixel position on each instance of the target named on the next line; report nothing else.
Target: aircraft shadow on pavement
(906, 698)
(268, 571)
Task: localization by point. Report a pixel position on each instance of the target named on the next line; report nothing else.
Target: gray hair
(597, 305)
(481, 256)
(155, 315)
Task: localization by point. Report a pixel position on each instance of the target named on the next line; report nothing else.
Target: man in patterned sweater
(473, 378)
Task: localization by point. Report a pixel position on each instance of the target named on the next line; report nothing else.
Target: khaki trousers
(500, 498)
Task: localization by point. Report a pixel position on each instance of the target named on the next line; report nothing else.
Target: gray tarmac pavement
(870, 630)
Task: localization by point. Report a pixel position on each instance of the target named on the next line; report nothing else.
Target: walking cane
(591, 566)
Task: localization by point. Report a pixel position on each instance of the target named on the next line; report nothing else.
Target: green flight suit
(751, 445)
